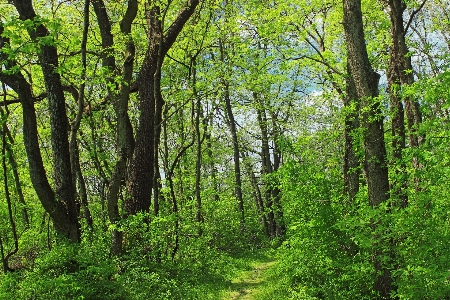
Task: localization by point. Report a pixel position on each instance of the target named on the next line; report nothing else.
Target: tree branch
(177, 25)
(412, 16)
(18, 100)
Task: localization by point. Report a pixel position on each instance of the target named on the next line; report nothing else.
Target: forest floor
(249, 283)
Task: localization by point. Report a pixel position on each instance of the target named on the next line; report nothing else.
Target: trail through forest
(250, 282)
(188, 149)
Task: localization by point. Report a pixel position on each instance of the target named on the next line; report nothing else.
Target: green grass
(251, 280)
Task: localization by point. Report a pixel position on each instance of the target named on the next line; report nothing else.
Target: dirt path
(245, 287)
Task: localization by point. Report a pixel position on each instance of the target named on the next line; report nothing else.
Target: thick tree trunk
(141, 170)
(366, 83)
(142, 164)
(38, 175)
(65, 219)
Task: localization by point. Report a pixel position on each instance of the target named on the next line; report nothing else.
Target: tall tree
(231, 122)
(236, 157)
(60, 203)
(12, 222)
(272, 193)
(137, 159)
(141, 167)
(400, 75)
(77, 175)
(366, 83)
(401, 72)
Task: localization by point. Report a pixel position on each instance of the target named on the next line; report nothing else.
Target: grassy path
(246, 286)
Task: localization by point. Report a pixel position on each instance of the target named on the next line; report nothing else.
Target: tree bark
(199, 141)
(237, 166)
(399, 75)
(62, 172)
(61, 203)
(77, 175)
(142, 164)
(212, 167)
(125, 140)
(266, 164)
(399, 184)
(12, 222)
(13, 163)
(352, 166)
(259, 203)
(400, 63)
(366, 83)
(276, 192)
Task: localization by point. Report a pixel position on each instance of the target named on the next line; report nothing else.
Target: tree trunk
(399, 184)
(13, 163)
(400, 74)
(199, 141)
(61, 203)
(198, 164)
(77, 175)
(352, 166)
(12, 222)
(141, 170)
(212, 167)
(142, 164)
(276, 192)
(366, 83)
(259, 203)
(125, 140)
(266, 164)
(237, 166)
(401, 62)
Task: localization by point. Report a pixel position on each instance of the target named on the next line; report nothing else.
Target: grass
(250, 281)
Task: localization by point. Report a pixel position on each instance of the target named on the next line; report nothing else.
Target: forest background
(149, 148)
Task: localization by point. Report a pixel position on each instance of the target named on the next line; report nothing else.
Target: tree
(400, 75)
(138, 156)
(225, 46)
(158, 130)
(366, 83)
(352, 164)
(60, 203)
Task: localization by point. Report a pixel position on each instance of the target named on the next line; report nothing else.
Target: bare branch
(413, 14)
(18, 100)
